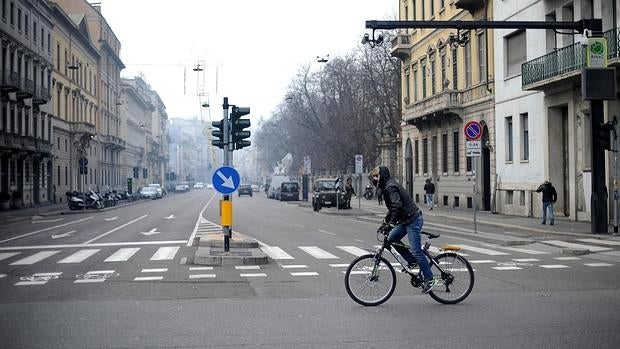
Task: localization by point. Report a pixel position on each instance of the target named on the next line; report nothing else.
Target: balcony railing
(401, 46)
(83, 127)
(565, 62)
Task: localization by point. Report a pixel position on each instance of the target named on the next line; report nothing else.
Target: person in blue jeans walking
(549, 197)
(403, 218)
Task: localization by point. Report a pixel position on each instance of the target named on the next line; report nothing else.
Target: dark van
(288, 191)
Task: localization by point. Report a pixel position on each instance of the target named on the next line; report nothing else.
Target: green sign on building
(596, 52)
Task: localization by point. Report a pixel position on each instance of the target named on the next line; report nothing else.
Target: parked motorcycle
(75, 201)
(369, 192)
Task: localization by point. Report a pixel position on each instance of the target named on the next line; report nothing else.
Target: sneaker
(428, 285)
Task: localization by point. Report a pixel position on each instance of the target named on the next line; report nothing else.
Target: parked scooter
(74, 200)
(369, 192)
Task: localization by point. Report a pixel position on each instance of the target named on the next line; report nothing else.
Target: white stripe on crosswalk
(8, 255)
(338, 265)
(356, 251)
(165, 253)
(275, 252)
(598, 264)
(148, 278)
(523, 250)
(554, 266)
(506, 268)
(122, 255)
(200, 268)
(483, 250)
(317, 252)
(247, 267)
(2, 276)
(577, 246)
(253, 275)
(79, 256)
(601, 242)
(526, 260)
(567, 258)
(37, 257)
(293, 266)
(202, 276)
(482, 261)
(305, 273)
(155, 270)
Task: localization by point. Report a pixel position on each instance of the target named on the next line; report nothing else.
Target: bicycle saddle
(430, 235)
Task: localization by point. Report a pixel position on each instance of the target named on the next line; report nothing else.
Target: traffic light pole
(598, 199)
(226, 230)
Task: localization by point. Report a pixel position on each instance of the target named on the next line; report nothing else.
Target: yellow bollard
(226, 212)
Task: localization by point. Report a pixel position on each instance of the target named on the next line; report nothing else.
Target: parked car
(180, 188)
(185, 185)
(288, 191)
(274, 185)
(245, 189)
(198, 185)
(159, 188)
(150, 193)
(325, 193)
(209, 186)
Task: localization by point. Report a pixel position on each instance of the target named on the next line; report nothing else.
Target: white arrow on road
(111, 219)
(228, 182)
(151, 232)
(57, 236)
(170, 217)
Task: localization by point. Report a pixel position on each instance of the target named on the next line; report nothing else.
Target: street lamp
(323, 59)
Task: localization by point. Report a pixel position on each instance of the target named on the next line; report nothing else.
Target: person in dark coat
(403, 218)
(549, 197)
(348, 192)
(429, 191)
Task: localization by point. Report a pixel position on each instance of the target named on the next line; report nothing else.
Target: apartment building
(445, 84)
(25, 122)
(543, 123)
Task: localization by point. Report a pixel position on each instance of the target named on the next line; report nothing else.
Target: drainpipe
(486, 45)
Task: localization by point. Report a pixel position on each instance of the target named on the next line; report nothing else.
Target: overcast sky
(252, 48)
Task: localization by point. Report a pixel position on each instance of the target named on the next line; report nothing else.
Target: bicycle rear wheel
(456, 281)
(369, 282)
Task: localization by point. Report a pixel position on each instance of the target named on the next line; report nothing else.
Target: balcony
(27, 91)
(446, 105)
(564, 65)
(401, 46)
(41, 96)
(469, 5)
(113, 142)
(83, 128)
(10, 81)
(43, 146)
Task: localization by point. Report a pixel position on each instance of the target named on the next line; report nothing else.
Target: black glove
(385, 228)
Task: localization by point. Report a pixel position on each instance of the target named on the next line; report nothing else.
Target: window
(415, 82)
(432, 7)
(455, 70)
(66, 176)
(425, 155)
(516, 52)
(443, 69)
(3, 9)
(508, 124)
(26, 24)
(12, 14)
(455, 150)
(145, 173)
(444, 153)
(456, 201)
(468, 164)
(431, 58)
(423, 65)
(482, 56)
(58, 143)
(58, 179)
(34, 32)
(19, 19)
(509, 197)
(468, 64)
(407, 87)
(416, 152)
(525, 138)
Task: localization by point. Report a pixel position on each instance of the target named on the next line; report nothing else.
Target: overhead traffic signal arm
(237, 126)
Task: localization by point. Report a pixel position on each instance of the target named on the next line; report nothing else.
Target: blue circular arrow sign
(226, 180)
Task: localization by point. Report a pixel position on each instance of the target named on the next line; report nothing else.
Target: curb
(243, 250)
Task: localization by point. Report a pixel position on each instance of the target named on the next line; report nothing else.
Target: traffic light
(603, 133)
(238, 135)
(218, 133)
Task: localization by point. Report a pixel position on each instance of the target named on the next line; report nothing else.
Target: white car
(198, 185)
(209, 186)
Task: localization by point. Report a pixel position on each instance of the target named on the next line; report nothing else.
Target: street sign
(359, 163)
(473, 148)
(596, 52)
(473, 131)
(225, 180)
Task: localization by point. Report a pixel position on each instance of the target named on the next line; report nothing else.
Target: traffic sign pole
(226, 229)
(473, 132)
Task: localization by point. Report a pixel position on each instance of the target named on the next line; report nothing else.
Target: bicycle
(370, 279)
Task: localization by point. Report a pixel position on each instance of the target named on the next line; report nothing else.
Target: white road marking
(294, 266)
(8, 255)
(482, 261)
(338, 265)
(47, 220)
(275, 252)
(150, 232)
(202, 276)
(526, 260)
(247, 267)
(78, 256)
(165, 253)
(64, 235)
(567, 258)
(148, 278)
(317, 252)
(46, 229)
(99, 273)
(577, 246)
(306, 273)
(192, 236)
(554, 266)
(115, 229)
(38, 282)
(2, 275)
(41, 247)
(35, 258)
(356, 251)
(200, 268)
(170, 217)
(111, 218)
(523, 250)
(598, 264)
(156, 270)
(122, 255)
(601, 242)
(326, 232)
(253, 275)
(483, 250)
(506, 268)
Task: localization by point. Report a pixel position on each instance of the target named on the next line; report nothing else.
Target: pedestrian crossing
(304, 261)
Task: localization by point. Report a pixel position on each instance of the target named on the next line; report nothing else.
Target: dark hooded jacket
(401, 208)
(548, 192)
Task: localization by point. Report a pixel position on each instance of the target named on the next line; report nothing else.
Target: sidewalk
(28, 213)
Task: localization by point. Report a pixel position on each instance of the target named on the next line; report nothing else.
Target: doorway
(558, 157)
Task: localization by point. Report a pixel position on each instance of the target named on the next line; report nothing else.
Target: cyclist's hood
(384, 176)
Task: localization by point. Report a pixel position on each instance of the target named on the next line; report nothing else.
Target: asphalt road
(143, 290)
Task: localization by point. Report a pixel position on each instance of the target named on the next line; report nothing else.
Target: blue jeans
(429, 200)
(414, 254)
(550, 206)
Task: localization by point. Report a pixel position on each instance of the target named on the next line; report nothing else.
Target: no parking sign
(473, 131)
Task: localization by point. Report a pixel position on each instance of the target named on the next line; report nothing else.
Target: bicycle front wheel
(456, 281)
(370, 282)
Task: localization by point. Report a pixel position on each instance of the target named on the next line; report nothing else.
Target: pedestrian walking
(348, 192)
(429, 190)
(549, 197)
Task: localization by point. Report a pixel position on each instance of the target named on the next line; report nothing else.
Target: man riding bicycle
(403, 218)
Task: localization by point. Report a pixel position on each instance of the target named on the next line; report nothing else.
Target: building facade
(25, 122)
(445, 84)
(544, 126)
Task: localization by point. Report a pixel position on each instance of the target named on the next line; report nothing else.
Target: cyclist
(403, 218)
